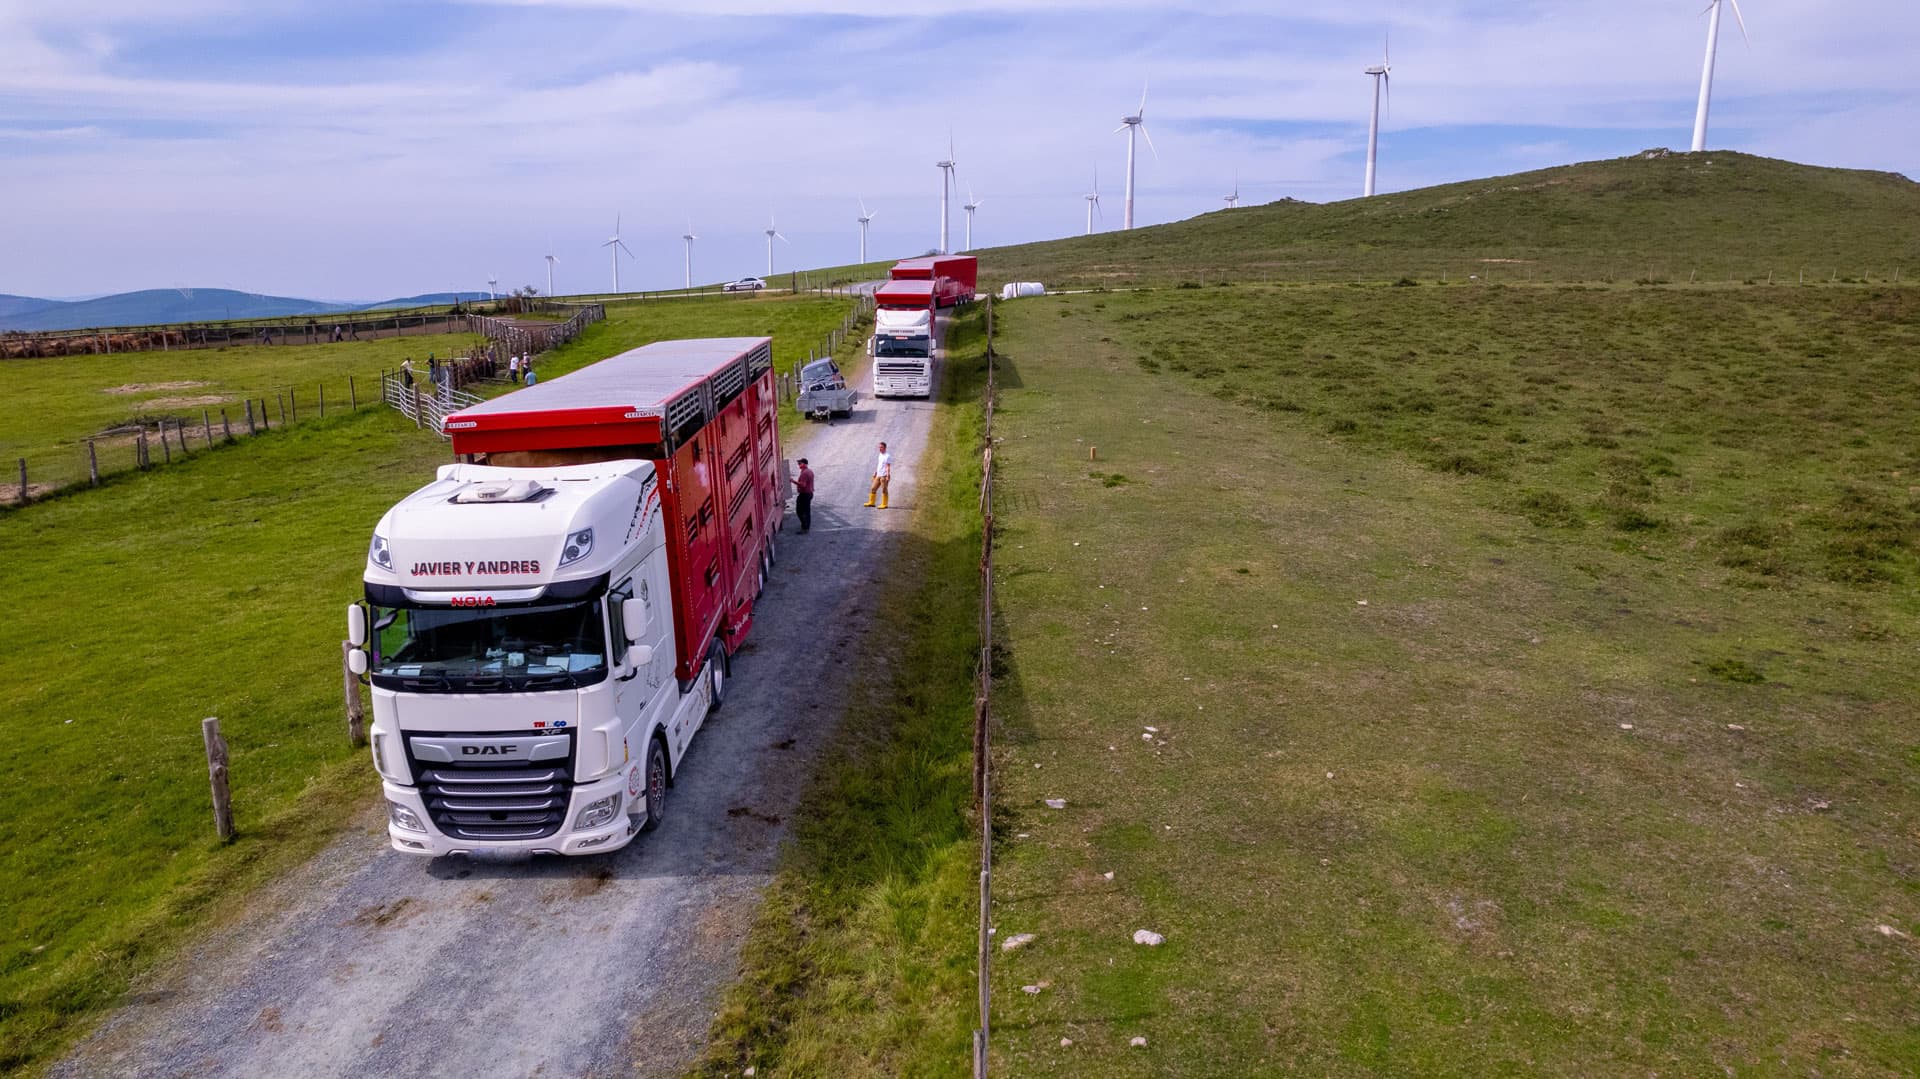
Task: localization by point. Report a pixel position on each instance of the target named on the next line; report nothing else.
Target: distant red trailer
(704, 411)
(954, 277)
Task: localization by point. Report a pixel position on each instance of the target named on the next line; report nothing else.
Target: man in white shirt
(882, 472)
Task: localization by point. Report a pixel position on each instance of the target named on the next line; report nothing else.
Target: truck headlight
(378, 554)
(578, 546)
(598, 812)
(404, 818)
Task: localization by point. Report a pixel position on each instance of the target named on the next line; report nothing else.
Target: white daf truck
(549, 622)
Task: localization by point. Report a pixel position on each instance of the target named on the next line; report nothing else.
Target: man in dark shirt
(803, 501)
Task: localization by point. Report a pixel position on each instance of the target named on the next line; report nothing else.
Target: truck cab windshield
(465, 650)
(897, 346)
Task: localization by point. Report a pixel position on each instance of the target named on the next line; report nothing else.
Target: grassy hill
(1717, 213)
(1465, 681)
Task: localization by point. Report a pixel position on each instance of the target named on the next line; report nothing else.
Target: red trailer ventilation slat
(704, 412)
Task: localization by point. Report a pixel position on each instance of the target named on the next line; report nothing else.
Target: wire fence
(154, 443)
(983, 714)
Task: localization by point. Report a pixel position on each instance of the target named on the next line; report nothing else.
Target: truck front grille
(496, 803)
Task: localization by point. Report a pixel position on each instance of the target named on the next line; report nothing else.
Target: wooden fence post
(226, 426)
(323, 400)
(166, 451)
(93, 465)
(207, 418)
(23, 481)
(217, 776)
(416, 406)
(282, 399)
(251, 429)
(356, 710)
(293, 402)
(353, 395)
(142, 453)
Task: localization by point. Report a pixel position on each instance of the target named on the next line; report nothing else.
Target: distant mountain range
(156, 306)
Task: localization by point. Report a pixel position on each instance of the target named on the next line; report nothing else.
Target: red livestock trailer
(705, 412)
(954, 277)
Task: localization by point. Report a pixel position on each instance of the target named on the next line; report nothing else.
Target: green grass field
(214, 587)
(1718, 216)
(1414, 776)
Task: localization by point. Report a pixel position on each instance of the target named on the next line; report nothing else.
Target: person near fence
(803, 497)
(531, 377)
(513, 367)
(406, 372)
(882, 473)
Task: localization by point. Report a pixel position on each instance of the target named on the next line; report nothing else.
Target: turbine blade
(1149, 138)
(1742, 20)
(1119, 129)
(1142, 111)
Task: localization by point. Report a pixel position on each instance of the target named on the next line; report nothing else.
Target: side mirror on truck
(640, 655)
(356, 625)
(357, 661)
(633, 614)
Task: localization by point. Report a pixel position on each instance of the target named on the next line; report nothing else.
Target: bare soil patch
(153, 387)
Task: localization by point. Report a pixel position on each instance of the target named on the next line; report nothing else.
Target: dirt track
(371, 962)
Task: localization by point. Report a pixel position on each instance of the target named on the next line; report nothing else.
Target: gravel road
(371, 962)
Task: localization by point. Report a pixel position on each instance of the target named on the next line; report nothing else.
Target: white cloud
(441, 156)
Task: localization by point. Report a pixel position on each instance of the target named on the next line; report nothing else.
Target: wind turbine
(689, 237)
(972, 205)
(618, 246)
(1134, 125)
(946, 178)
(866, 216)
(773, 234)
(1093, 201)
(551, 259)
(1234, 199)
(1382, 74)
(493, 280)
(1706, 73)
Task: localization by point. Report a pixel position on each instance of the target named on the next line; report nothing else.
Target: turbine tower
(946, 182)
(866, 216)
(1382, 75)
(1134, 125)
(493, 281)
(1093, 201)
(551, 259)
(617, 245)
(1234, 199)
(972, 205)
(1706, 72)
(689, 237)
(773, 233)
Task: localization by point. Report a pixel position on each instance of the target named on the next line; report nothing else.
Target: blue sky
(355, 150)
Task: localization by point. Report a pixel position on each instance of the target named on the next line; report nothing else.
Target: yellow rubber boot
(869, 499)
(883, 500)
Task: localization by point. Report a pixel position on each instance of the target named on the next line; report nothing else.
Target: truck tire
(656, 781)
(717, 673)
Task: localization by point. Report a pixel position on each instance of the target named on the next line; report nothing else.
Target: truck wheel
(656, 793)
(716, 676)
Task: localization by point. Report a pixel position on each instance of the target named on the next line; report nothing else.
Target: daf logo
(496, 750)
